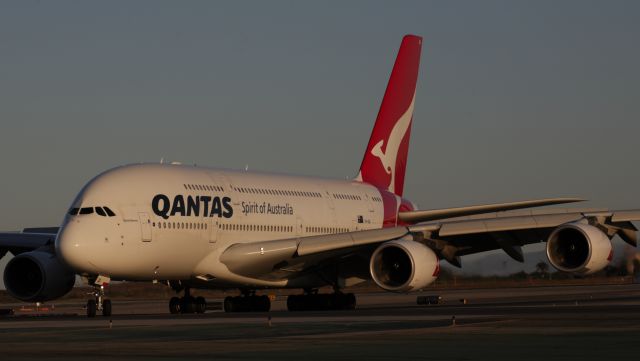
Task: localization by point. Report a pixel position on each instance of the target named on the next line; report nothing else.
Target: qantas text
(191, 206)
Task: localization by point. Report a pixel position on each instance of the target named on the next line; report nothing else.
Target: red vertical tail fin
(385, 160)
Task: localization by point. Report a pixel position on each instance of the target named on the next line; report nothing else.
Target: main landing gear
(311, 300)
(248, 302)
(187, 304)
(98, 303)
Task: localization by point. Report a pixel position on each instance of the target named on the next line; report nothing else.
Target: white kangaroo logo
(390, 156)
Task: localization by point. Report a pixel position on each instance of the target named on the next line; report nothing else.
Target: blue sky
(516, 99)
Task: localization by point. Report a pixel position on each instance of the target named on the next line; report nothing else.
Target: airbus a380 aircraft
(195, 227)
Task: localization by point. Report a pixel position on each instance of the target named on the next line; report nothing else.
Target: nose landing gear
(98, 302)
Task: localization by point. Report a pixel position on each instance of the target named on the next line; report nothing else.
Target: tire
(106, 308)
(201, 304)
(91, 308)
(174, 305)
(293, 303)
(351, 301)
(229, 305)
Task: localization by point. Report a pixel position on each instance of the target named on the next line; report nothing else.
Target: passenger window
(101, 211)
(109, 212)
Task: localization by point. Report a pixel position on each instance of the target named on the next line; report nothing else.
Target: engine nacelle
(38, 276)
(579, 248)
(404, 265)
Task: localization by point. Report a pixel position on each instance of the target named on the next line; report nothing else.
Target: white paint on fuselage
(183, 247)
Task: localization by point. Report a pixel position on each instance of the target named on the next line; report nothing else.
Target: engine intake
(579, 248)
(37, 276)
(403, 265)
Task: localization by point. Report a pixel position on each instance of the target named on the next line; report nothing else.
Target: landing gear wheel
(98, 302)
(174, 305)
(201, 304)
(91, 308)
(293, 303)
(106, 308)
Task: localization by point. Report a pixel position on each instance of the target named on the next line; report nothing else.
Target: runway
(593, 322)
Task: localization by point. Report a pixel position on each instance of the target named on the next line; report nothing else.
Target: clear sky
(516, 99)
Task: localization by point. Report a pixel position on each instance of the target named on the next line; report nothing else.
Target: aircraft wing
(455, 238)
(27, 240)
(434, 214)
(450, 239)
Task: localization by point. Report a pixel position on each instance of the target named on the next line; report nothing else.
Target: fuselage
(171, 221)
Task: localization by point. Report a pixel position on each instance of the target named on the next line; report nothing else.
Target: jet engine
(37, 276)
(403, 265)
(579, 248)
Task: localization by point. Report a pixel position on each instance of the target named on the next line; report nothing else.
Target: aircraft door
(327, 196)
(369, 202)
(213, 233)
(145, 227)
(299, 226)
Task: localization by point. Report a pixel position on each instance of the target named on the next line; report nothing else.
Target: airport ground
(599, 322)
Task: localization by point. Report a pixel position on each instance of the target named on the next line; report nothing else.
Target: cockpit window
(86, 210)
(102, 211)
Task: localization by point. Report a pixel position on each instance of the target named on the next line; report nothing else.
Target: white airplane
(194, 227)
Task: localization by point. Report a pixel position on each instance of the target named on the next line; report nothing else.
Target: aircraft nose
(71, 248)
